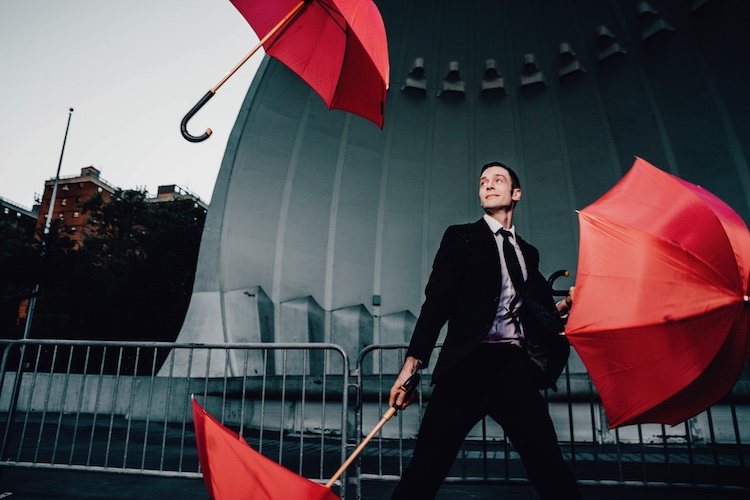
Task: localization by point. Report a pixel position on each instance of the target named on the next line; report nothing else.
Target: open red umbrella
(232, 469)
(338, 47)
(661, 317)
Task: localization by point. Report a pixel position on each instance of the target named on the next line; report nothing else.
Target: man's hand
(564, 305)
(411, 365)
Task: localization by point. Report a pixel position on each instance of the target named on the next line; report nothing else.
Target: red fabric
(338, 47)
(660, 317)
(232, 470)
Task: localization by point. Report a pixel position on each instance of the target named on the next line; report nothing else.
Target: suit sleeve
(547, 315)
(537, 282)
(440, 293)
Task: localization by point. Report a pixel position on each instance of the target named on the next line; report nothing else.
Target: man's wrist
(413, 363)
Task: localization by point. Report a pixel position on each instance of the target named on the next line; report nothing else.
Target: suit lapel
(487, 242)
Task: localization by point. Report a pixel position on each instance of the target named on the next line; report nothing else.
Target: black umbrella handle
(191, 113)
(551, 281)
(409, 387)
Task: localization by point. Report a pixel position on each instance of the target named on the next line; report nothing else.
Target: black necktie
(511, 259)
(514, 267)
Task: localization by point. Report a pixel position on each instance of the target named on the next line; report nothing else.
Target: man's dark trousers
(492, 381)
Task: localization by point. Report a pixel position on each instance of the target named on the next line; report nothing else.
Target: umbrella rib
(330, 10)
(286, 26)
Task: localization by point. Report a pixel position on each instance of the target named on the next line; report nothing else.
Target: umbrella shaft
(386, 417)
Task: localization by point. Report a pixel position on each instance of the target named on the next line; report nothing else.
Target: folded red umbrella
(661, 317)
(233, 470)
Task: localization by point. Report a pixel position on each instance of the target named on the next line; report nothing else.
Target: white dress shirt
(506, 328)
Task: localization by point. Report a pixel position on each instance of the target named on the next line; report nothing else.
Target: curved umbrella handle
(551, 281)
(196, 108)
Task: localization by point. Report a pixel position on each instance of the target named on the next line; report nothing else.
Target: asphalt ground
(38, 484)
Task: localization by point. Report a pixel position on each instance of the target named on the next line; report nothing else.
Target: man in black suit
(497, 308)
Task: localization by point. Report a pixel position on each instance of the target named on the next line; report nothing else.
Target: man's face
(495, 189)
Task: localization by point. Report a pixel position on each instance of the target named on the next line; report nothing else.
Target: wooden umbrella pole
(386, 417)
(408, 387)
(271, 33)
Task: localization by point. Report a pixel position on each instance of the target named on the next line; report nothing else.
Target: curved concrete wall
(323, 227)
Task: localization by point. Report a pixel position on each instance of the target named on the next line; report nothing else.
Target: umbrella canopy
(232, 469)
(338, 47)
(661, 317)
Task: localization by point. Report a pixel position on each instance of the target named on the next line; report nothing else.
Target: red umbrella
(232, 469)
(338, 47)
(661, 317)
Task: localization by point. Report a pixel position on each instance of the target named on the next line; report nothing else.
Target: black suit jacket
(464, 290)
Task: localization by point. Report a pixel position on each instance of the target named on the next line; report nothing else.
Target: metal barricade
(125, 407)
(707, 451)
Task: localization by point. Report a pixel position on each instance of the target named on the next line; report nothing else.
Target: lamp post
(47, 225)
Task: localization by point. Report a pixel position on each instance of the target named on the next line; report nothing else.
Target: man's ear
(516, 195)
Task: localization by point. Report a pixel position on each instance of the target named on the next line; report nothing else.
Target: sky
(131, 71)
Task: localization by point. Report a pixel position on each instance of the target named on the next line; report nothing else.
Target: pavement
(38, 484)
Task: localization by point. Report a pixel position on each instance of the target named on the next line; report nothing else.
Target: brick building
(172, 192)
(72, 192)
(26, 218)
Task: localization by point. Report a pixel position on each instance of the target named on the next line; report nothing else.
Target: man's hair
(514, 182)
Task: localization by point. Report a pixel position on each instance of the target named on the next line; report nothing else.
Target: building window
(75, 215)
(65, 187)
(64, 201)
(60, 216)
(6, 210)
(73, 229)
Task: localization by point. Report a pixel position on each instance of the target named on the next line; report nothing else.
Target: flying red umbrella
(338, 47)
(661, 317)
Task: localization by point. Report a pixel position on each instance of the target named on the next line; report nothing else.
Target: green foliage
(19, 264)
(132, 277)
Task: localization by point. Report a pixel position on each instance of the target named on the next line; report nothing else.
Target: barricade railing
(125, 407)
(707, 451)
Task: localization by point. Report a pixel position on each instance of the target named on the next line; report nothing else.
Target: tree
(19, 271)
(132, 277)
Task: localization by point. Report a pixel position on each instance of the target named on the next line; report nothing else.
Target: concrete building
(323, 227)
